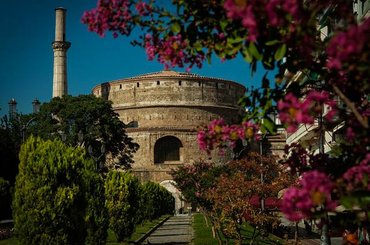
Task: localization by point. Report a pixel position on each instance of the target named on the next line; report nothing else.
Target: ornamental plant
(54, 202)
(5, 195)
(122, 191)
(156, 201)
(239, 191)
(320, 76)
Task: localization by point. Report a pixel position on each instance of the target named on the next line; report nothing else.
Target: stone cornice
(161, 129)
(191, 106)
(170, 75)
(61, 45)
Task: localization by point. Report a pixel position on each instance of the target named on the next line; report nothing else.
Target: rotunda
(163, 111)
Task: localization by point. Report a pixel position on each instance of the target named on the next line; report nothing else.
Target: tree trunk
(325, 239)
(213, 232)
(218, 237)
(296, 233)
(205, 218)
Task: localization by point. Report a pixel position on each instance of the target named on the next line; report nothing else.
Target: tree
(54, 202)
(122, 201)
(10, 141)
(12, 130)
(89, 122)
(5, 195)
(96, 213)
(315, 70)
(227, 193)
(194, 180)
(234, 195)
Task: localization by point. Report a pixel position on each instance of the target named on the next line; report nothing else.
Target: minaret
(12, 108)
(60, 47)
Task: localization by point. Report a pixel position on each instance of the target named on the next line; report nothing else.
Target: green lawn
(10, 241)
(203, 234)
(111, 240)
(139, 232)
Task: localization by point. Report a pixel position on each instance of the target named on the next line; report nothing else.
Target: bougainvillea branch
(285, 36)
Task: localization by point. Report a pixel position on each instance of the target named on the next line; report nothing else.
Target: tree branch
(351, 105)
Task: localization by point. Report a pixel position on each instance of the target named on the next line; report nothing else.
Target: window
(132, 124)
(167, 149)
(180, 83)
(158, 82)
(137, 84)
(120, 86)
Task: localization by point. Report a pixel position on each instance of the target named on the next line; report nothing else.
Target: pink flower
(109, 16)
(243, 11)
(358, 176)
(220, 135)
(143, 8)
(350, 134)
(171, 51)
(293, 112)
(349, 56)
(295, 204)
(202, 140)
(313, 195)
(347, 45)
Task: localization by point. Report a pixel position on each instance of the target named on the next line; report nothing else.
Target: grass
(203, 234)
(10, 241)
(111, 240)
(139, 232)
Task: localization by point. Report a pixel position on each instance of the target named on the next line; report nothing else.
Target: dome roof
(169, 74)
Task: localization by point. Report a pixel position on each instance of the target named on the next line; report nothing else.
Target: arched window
(167, 149)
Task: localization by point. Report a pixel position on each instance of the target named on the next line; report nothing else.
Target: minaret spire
(60, 47)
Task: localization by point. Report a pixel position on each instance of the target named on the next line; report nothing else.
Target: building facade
(163, 112)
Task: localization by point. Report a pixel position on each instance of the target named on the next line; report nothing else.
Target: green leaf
(223, 24)
(244, 101)
(219, 47)
(272, 42)
(253, 67)
(280, 52)
(247, 55)
(197, 45)
(269, 125)
(234, 40)
(176, 27)
(209, 57)
(254, 51)
(265, 81)
(233, 50)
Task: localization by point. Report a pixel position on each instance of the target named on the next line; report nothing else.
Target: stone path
(333, 240)
(176, 230)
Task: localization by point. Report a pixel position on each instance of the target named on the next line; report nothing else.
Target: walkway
(176, 230)
(333, 240)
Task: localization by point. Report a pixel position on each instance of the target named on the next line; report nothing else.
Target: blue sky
(26, 56)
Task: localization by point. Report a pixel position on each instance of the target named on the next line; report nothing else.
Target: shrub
(122, 191)
(157, 201)
(166, 201)
(5, 197)
(57, 195)
(96, 213)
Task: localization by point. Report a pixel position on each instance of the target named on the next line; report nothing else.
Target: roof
(168, 74)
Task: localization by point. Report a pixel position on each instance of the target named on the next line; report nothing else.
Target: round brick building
(162, 112)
